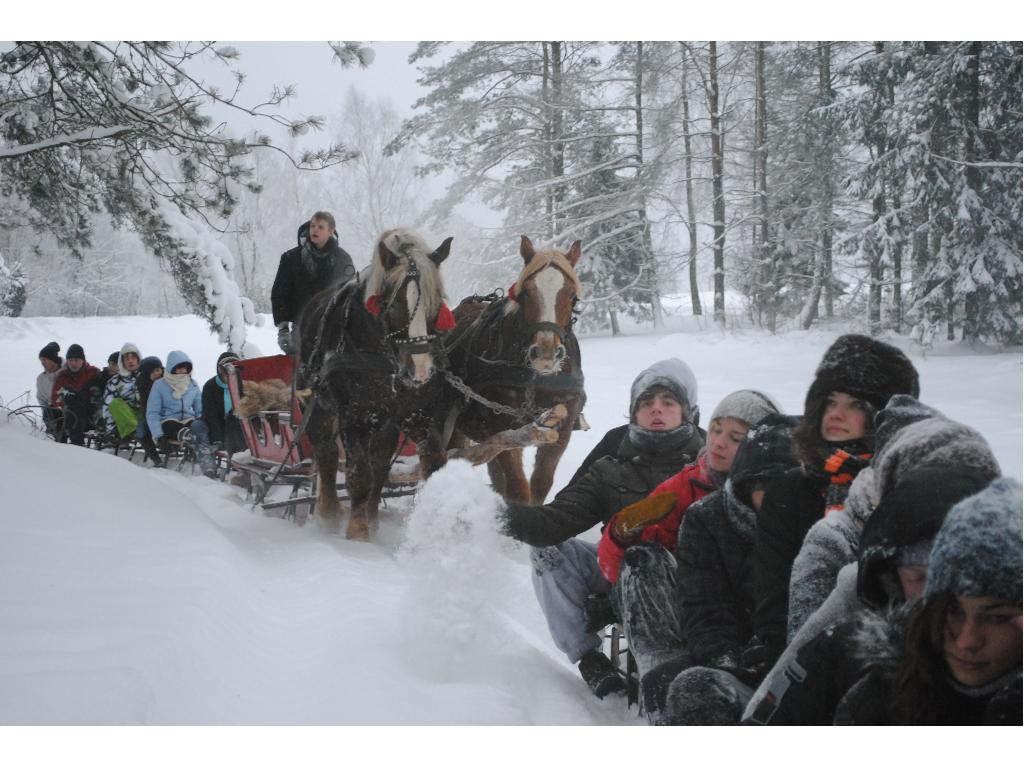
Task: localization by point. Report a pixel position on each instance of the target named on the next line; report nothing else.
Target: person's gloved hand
(284, 338)
(629, 522)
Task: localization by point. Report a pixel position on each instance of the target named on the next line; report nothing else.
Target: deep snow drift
(131, 595)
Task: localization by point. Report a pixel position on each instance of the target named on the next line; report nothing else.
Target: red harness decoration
(445, 319)
(512, 292)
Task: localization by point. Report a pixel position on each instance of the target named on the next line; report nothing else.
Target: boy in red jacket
(76, 390)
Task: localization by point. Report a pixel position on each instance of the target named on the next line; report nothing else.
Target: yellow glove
(629, 522)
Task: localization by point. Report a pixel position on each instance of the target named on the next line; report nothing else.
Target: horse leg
(511, 464)
(359, 482)
(547, 460)
(497, 476)
(383, 444)
(432, 454)
(325, 452)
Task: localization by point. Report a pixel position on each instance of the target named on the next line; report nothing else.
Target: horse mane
(405, 242)
(544, 259)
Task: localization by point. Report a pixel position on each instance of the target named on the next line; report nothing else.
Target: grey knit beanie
(978, 550)
(672, 374)
(747, 405)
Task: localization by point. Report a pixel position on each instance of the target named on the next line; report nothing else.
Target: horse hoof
(358, 531)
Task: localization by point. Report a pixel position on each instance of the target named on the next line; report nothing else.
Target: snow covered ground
(138, 596)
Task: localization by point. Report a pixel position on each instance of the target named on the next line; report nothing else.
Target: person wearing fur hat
(315, 264)
(708, 623)
(910, 438)
(218, 410)
(121, 410)
(661, 439)
(951, 658)
(175, 405)
(834, 441)
(925, 464)
(76, 390)
(50, 359)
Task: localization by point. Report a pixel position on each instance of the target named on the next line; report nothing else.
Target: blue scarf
(227, 395)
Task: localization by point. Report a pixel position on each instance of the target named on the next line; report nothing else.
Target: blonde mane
(545, 259)
(405, 242)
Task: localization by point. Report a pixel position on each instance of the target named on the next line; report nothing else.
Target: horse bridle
(559, 330)
(413, 345)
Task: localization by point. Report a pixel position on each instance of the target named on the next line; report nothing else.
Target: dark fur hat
(864, 368)
(766, 452)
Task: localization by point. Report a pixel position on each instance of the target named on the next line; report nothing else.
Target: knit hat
(924, 464)
(675, 376)
(900, 530)
(75, 352)
(747, 405)
(864, 368)
(978, 550)
(227, 357)
(766, 452)
(112, 360)
(51, 352)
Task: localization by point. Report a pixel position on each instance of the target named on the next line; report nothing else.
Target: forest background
(876, 185)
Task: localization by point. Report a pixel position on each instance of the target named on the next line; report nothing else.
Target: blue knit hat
(978, 550)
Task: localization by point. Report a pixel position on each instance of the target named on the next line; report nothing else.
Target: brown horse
(369, 351)
(520, 354)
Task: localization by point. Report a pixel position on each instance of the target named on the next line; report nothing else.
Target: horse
(368, 351)
(520, 354)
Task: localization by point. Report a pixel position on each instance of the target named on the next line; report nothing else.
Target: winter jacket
(305, 271)
(714, 579)
(846, 676)
(609, 446)
(224, 427)
(792, 504)
(79, 383)
(689, 485)
(121, 385)
(44, 387)
(610, 484)
(162, 404)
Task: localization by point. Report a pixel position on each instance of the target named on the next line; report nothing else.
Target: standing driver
(316, 263)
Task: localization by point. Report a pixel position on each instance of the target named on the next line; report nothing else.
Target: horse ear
(388, 259)
(574, 253)
(526, 249)
(442, 251)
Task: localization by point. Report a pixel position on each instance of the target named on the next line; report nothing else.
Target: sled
(278, 454)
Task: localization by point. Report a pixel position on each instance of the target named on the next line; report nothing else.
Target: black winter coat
(846, 676)
(303, 272)
(792, 504)
(610, 484)
(714, 580)
(224, 429)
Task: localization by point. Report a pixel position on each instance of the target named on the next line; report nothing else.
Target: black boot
(600, 675)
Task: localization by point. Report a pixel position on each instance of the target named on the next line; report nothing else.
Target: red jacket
(76, 382)
(690, 484)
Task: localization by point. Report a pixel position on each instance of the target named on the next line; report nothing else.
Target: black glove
(284, 338)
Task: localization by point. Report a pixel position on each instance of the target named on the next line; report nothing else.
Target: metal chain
(528, 411)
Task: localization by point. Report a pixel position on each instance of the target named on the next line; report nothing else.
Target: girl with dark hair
(855, 379)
